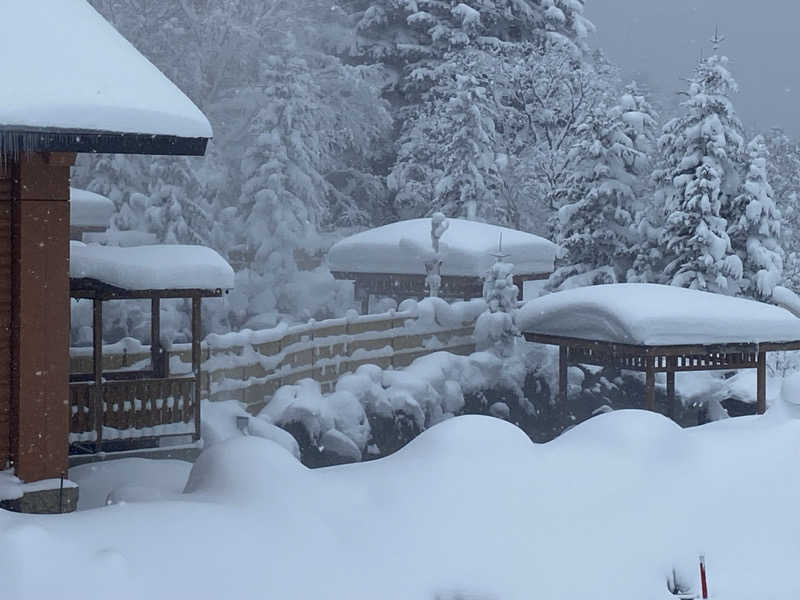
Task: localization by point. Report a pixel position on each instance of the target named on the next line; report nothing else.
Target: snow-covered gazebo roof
(659, 329)
(72, 83)
(656, 315)
(87, 209)
(149, 268)
(466, 249)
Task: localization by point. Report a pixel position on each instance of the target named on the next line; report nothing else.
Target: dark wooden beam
(650, 385)
(196, 360)
(157, 357)
(671, 385)
(86, 288)
(97, 360)
(17, 140)
(761, 384)
(563, 380)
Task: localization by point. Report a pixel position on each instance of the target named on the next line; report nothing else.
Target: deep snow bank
(470, 507)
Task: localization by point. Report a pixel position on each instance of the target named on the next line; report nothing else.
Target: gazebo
(131, 409)
(390, 260)
(88, 213)
(659, 329)
(74, 85)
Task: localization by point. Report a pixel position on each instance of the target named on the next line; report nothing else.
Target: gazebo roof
(72, 83)
(467, 246)
(87, 209)
(656, 315)
(148, 268)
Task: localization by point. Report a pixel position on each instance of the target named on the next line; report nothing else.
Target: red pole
(703, 583)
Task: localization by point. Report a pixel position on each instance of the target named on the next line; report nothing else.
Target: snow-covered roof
(466, 248)
(67, 69)
(158, 267)
(649, 314)
(87, 209)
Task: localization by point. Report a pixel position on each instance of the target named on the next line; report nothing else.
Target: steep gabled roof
(70, 82)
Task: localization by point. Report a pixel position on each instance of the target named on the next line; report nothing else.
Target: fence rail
(132, 409)
(251, 365)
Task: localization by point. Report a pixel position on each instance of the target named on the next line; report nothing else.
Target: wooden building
(654, 329)
(389, 261)
(63, 93)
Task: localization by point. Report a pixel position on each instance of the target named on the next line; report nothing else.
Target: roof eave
(15, 140)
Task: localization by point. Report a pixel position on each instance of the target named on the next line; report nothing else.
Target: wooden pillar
(672, 363)
(6, 180)
(761, 383)
(97, 368)
(40, 315)
(361, 294)
(157, 359)
(563, 384)
(650, 385)
(196, 360)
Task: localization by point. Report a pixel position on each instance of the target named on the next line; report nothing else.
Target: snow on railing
(250, 365)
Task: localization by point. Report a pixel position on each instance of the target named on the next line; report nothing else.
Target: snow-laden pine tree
(595, 217)
(495, 330)
(756, 234)
(403, 33)
(641, 127)
(783, 174)
(701, 153)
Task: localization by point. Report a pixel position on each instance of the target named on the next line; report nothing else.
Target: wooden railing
(249, 366)
(133, 409)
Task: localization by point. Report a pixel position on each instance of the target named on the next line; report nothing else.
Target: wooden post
(761, 383)
(650, 385)
(39, 321)
(156, 355)
(196, 361)
(97, 366)
(672, 363)
(563, 355)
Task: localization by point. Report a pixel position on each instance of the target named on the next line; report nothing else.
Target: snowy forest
(334, 117)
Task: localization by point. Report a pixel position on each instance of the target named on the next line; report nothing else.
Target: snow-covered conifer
(756, 234)
(495, 329)
(595, 216)
(699, 176)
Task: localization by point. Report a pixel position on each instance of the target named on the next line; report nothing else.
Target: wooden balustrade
(133, 409)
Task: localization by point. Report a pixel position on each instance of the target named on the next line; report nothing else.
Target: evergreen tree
(699, 176)
(495, 330)
(595, 217)
(756, 234)
(783, 173)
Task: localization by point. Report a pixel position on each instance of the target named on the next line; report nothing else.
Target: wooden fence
(251, 365)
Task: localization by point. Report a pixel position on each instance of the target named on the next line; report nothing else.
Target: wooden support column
(157, 358)
(563, 383)
(672, 363)
(361, 293)
(650, 385)
(761, 383)
(7, 171)
(40, 315)
(196, 360)
(97, 368)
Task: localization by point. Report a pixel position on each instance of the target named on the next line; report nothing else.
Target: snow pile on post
(158, 267)
(67, 68)
(465, 249)
(649, 314)
(87, 209)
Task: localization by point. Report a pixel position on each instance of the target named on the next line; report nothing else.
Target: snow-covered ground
(470, 509)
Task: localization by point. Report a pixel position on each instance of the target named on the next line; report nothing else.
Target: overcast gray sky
(662, 39)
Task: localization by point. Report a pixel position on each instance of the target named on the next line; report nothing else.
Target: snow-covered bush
(374, 412)
(495, 330)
